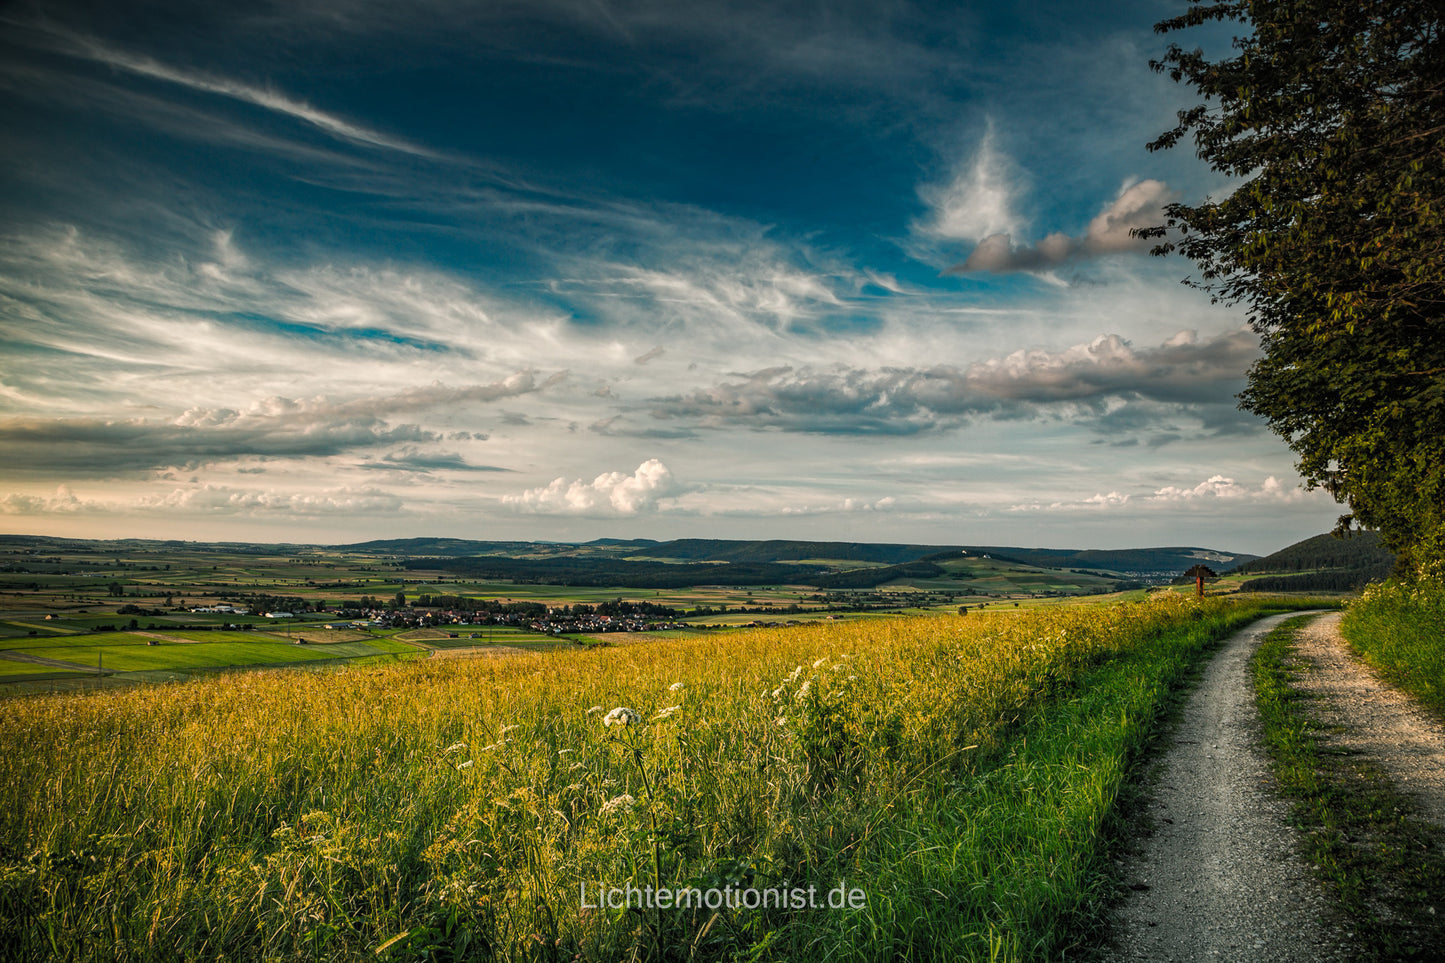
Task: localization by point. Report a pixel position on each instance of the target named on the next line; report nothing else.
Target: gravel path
(1373, 718)
(1218, 878)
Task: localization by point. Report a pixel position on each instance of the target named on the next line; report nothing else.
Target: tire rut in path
(1218, 877)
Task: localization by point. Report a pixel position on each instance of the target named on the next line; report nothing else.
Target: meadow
(952, 779)
(1398, 627)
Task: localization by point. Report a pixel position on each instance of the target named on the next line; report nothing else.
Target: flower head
(621, 716)
(675, 687)
(618, 804)
(594, 710)
(664, 713)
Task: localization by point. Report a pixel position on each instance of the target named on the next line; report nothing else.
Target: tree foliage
(1332, 114)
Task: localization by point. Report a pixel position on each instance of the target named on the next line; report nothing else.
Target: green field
(123, 652)
(11, 670)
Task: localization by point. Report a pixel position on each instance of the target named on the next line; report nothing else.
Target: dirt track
(1216, 877)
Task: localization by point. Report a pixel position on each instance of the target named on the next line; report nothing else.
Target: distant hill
(1323, 563)
(1323, 551)
(614, 572)
(446, 547)
(1132, 561)
(647, 563)
(760, 552)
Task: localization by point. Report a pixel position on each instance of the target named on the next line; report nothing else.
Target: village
(549, 622)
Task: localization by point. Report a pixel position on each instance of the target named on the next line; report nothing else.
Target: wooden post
(1200, 573)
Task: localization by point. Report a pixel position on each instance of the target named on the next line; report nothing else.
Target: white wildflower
(618, 804)
(807, 688)
(675, 687)
(564, 752)
(465, 765)
(454, 747)
(820, 662)
(621, 716)
(793, 676)
(507, 729)
(664, 713)
(778, 693)
(594, 710)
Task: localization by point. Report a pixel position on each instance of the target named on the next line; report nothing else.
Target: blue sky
(560, 270)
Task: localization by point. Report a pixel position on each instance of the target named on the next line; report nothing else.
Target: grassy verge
(1399, 628)
(1386, 867)
(954, 776)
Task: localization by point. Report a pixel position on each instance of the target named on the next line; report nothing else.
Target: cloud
(267, 98)
(212, 500)
(274, 427)
(414, 459)
(978, 202)
(611, 493)
(64, 501)
(1212, 491)
(1138, 205)
(1218, 487)
(219, 500)
(1027, 383)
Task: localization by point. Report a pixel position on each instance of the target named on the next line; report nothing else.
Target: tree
(1332, 112)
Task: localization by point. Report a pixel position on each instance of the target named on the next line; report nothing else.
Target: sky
(567, 269)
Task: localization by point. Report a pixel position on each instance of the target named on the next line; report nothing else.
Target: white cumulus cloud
(609, 493)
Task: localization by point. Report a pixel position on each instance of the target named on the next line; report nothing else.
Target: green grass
(11, 671)
(134, 655)
(1399, 628)
(33, 643)
(1386, 867)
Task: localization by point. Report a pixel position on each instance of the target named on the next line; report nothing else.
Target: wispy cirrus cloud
(980, 199)
(268, 98)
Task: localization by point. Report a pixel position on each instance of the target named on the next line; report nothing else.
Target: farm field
(459, 808)
(25, 670)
